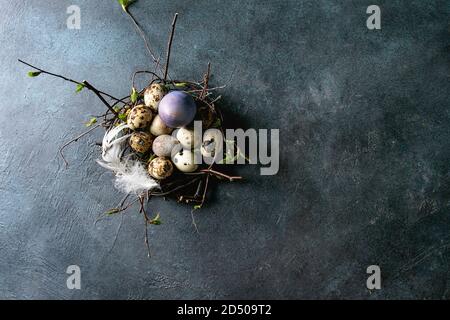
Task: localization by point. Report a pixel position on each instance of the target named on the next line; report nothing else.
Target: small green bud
(33, 74)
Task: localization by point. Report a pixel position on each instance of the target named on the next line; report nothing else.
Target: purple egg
(177, 109)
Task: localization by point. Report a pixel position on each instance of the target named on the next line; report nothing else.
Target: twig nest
(187, 138)
(158, 127)
(177, 109)
(160, 168)
(184, 161)
(207, 115)
(153, 95)
(164, 145)
(212, 143)
(141, 142)
(139, 117)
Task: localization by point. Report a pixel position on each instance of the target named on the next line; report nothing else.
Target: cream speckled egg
(160, 168)
(165, 145)
(141, 142)
(212, 143)
(153, 95)
(187, 138)
(158, 127)
(139, 117)
(184, 161)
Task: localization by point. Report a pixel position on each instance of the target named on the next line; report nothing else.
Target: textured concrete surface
(364, 177)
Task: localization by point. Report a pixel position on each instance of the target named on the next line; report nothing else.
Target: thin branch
(146, 220)
(195, 197)
(169, 46)
(123, 200)
(146, 239)
(133, 78)
(161, 194)
(120, 208)
(97, 93)
(206, 81)
(216, 173)
(222, 175)
(204, 192)
(69, 80)
(216, 99)
(194, 223)
(113, 106)
(144, 37)
(117, 232)
(199, 188)
(208, 90)
(75, 140)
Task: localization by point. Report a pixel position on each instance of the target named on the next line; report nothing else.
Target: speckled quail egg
(160, 168)
(187, 138)
(212, 143)
(184, 161)
(153, 95)
(165, 145)
(141, 142)
(139, 117)
(158, 127)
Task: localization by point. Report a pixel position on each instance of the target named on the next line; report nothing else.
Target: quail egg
(177, 109)
(141, 142)
(158, 127)
(153, 95)
(187, 138)
(139, 117)
(165, 145)
(184, 161)
(160, 168)
(212, 143)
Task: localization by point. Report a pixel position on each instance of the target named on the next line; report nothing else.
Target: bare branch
(75, 140)
(70, 80)
(144, 37)
(169, 46)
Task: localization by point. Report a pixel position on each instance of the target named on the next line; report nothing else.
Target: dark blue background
(364, 128)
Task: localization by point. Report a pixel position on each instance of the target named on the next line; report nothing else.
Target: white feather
(131, 176)
(135, 179)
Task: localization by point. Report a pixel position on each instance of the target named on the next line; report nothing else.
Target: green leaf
(241, 155)
(180, 84)
(156, 220)
(122, 116)
(134, 95)
(117, 108)
(198, 206)
(91, 122)
(125, 4)
(112, 211)
(33, 74)
(228, 159)
(80, 87)
(153, 156)
(217, 123)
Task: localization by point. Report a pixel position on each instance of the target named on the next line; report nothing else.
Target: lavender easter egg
(177, 109)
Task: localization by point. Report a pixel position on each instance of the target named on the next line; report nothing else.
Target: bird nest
(149, 142)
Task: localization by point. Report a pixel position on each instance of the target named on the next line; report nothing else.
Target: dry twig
(75, 140)
(169, 46)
